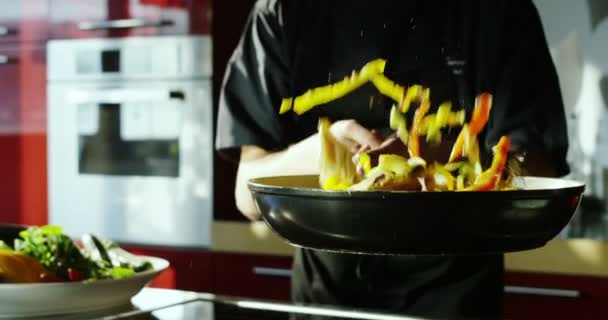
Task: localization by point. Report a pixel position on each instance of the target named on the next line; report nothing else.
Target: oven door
(133, 162)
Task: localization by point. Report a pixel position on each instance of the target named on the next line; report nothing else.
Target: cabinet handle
(272, 272)
(6, 59)
(123, 24)
(547, 292)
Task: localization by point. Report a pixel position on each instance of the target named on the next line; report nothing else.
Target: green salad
(89, 260)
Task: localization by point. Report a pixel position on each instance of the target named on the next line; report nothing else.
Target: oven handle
(272, 272)
(123, 24)
(124, 95)
(547, 292)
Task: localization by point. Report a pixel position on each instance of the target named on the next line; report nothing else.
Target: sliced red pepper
(75, 275)
(491, 177)
(486, 184)
(501, 151)
(481, 113)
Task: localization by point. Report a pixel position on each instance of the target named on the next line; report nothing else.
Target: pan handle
(272, 272)
(546, 292)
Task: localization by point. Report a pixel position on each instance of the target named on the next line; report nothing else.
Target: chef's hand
(430, 151)
(298, 159)
(354, 136)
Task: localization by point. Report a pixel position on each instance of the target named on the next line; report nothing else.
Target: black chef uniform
(457, 49)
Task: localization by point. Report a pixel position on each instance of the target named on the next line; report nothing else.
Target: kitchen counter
(571, 256)
(163, 304)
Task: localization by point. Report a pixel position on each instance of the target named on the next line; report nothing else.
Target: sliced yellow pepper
(439, 121)
(443, 177)
(325, 94)
(396, 118)
(335, 183)
(460, 182)
(389, 88)
(365, 162)
(402, 133)
(394, 163)
(414, 93)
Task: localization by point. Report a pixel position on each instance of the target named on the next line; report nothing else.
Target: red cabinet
(120, 18)
(23, 35)
(240, 275)
(24, 20)
(22, 133)
(191, 269)
(253, 276)
(23, 88)
(553, 296)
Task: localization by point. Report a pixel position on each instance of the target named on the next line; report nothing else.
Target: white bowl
(46, 299)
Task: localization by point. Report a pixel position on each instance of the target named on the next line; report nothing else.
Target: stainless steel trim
(547, 292)
(3, 30)
(272, 272)
(313, 311)
(123, 24)
(122, 95)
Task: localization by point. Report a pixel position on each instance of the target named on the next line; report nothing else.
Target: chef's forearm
(300, 158)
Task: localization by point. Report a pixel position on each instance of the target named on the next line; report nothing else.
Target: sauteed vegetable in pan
(407, 169)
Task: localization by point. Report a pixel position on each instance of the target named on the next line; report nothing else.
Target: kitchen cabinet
(191, 269)
(252, 276)
(555, 296)
(121, 18)
(23, 32)
(24, 20)
(22, 133)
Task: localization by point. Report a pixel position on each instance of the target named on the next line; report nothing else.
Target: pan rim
(260, 185)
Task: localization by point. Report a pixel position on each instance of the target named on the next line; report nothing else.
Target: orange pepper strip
(466, 144)
(481, 113)
(413, 140)
(487, 184)
(458, 148)
(491, 177)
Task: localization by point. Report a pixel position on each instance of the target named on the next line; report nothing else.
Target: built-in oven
(130, 139)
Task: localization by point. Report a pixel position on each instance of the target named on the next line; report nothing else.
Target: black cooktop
(159, 304)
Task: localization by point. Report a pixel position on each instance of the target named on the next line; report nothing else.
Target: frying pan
(407, 223)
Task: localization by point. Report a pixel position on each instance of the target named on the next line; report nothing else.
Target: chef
(457, 49)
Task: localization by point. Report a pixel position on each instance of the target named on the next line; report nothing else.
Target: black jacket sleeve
(255, 82)
(528, 104)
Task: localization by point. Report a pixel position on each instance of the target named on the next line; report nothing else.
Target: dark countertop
(163, 304)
